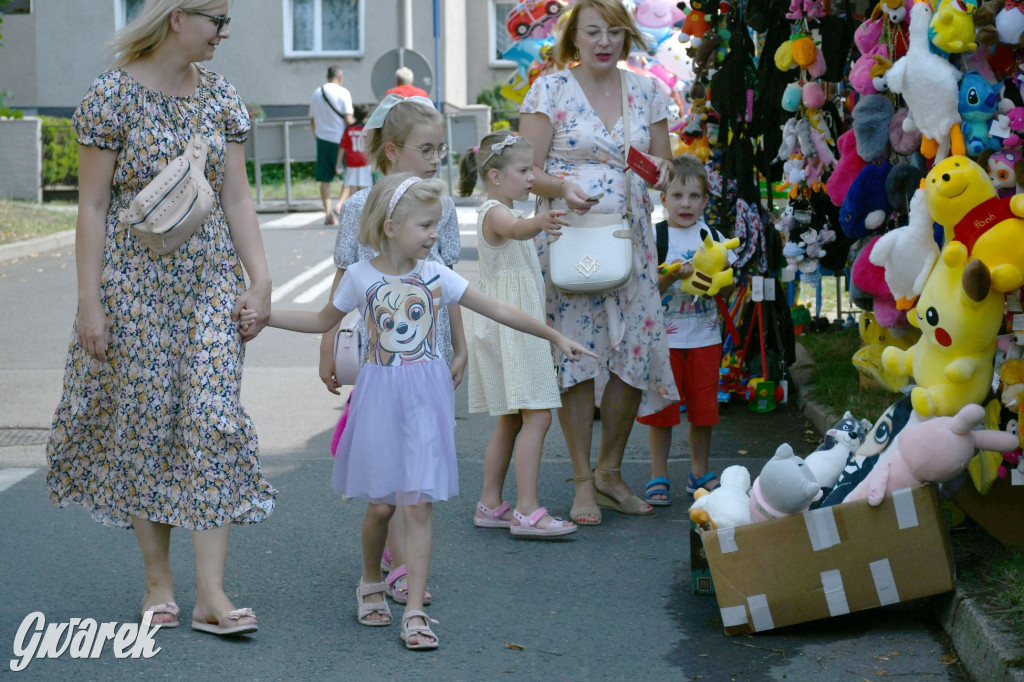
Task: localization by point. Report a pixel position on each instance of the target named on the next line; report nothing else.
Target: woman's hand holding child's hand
(552, 221)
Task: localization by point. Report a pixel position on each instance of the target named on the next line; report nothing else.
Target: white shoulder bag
(594, 253)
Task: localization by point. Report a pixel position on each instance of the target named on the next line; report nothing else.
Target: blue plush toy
(866, 205)
(978, 102)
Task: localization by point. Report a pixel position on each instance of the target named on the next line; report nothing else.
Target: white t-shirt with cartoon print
(690, 321)
(400, 310)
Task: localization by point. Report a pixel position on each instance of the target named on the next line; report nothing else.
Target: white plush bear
(727, 505)
(786, 486)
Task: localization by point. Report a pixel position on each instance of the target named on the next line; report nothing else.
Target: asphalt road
(612, 603)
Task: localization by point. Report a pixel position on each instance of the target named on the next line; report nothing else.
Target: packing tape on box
(835, 595)
(885, 583)
(727, 540)
(1016, 477)
(760, 614)
(906, 512)
(733, 616)
(821, 527)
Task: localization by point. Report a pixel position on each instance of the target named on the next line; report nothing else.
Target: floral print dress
(157, 431)
(624, 327)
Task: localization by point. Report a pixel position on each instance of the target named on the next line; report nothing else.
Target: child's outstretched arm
(510, 316)
(502, 224)
(306, 321)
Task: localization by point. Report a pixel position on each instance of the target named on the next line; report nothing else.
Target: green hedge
(60, 152)
(273, 173)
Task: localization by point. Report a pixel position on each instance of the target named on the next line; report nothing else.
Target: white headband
(397, 196)
(376, 119)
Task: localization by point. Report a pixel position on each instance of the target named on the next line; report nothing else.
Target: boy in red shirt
(352, 157)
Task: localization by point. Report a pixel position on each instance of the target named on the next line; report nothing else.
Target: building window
(17, 7)
(323, 27)
(127, 11)
(500, 40)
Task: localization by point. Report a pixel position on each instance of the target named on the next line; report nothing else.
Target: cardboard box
(1000, 511)
(700, 572)
(830, 561)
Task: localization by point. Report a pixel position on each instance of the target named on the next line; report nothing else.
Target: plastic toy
(935, 450)
(963, 200)
(525, 15)
(959, 315)
(728, 505)
(908, 254)
(786, 486)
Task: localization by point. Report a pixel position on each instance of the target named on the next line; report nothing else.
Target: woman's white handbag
(593, 254)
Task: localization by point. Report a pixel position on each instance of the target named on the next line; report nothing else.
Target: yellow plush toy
(711, 269)
(959, 315)
(960, 197)
(874, 340)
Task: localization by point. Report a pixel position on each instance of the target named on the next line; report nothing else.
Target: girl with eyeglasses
(149, 433)
(573, 118)
(405, 135)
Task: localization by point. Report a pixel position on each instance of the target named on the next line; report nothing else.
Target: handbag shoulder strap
(624, 86)
(323, 93)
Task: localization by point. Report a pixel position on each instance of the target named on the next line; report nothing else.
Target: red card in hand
(643, 166)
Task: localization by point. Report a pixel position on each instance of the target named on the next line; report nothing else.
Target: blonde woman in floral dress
(574, 120)
(149, 433)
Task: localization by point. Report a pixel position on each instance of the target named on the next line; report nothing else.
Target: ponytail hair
(475, 162)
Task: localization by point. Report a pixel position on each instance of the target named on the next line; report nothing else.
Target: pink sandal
(492, 518)
(526, 526)
(397, 587)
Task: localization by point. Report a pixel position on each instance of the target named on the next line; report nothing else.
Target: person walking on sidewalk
(403, 85)
(149, 433)
(510, 373)
(330, 110)
(694, 333)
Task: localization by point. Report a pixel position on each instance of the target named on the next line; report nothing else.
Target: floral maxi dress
(624, 327)
(157, 431)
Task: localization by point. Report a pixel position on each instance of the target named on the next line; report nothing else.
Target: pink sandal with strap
(397, 587)
(526, 526)
(492, 518)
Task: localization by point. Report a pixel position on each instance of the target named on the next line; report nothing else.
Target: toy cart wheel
(522, 29)
(552, 8)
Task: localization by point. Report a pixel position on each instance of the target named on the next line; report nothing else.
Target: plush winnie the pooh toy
(961, 197)
(959, 315)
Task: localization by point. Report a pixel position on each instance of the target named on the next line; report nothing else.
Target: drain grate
(23, 436)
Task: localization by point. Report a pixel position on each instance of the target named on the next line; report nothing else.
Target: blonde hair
(371, 222)
(397, 125)
(613, 12)
(149, 29)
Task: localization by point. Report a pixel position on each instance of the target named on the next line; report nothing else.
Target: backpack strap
(661, 240)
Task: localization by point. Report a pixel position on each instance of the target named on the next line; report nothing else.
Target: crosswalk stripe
(299, 280)
(9, 477)
(316, 290)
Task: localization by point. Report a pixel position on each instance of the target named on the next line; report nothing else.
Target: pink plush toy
(870, 279)
(847, 169)
(932, 451)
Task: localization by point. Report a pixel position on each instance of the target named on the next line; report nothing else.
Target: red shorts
(696, 373)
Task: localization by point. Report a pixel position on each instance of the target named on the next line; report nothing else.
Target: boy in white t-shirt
(694, 333)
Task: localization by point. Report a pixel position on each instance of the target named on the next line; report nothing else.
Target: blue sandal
(666, 486)
(697, 483)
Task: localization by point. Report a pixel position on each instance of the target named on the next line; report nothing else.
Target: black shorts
(326, 158)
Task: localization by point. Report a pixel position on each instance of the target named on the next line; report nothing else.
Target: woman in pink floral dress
(573, 119)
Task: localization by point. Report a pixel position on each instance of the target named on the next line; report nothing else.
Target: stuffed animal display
(710, 266)
(841, 441)
(935, 450)
(726, 506)
(785, 486)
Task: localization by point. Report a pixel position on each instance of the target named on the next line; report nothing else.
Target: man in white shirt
(330, 111)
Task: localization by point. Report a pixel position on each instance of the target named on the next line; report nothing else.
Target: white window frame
(492, 38)
(317, 50)
(120, 13)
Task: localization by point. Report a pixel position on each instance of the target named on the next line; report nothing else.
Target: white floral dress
(157, 431)
(624, 327)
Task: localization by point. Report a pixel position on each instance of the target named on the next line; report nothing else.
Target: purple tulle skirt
(398, 446)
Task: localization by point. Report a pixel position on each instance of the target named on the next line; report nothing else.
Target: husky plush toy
(841, 441)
